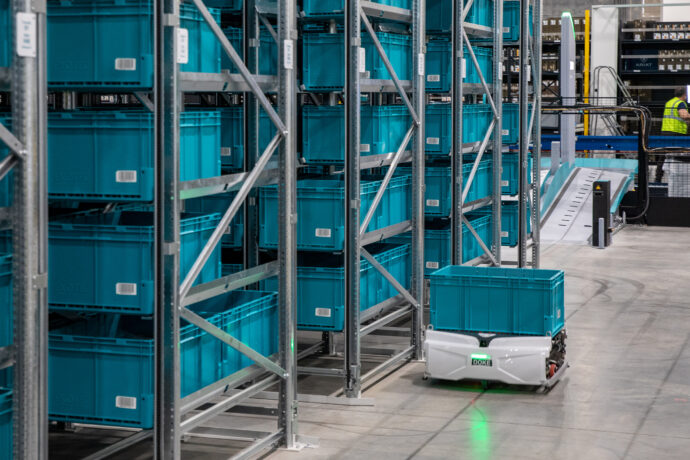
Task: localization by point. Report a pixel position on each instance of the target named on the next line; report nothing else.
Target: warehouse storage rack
(23, 72)
(173, 297)
(464, 56)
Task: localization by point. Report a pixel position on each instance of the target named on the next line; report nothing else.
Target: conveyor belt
(569, 218)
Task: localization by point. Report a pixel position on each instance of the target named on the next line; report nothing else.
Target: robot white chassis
(518, 360)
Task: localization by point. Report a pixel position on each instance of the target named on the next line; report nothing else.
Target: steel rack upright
(27, 216)
(357, 14)
(530, 132)
(173, 297)
(462, 34)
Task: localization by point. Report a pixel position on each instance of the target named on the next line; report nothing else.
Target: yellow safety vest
(672, 121)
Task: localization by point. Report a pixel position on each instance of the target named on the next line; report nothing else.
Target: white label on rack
(433, 140)
(505, 132)
(420, 64)
(322, 312)
(362, 60)
(126, 176)
(364, 148)
(657, 36)
(225, 151)
(433, 203)
(687, 66)
(26, 34)
(506, 30)
(433, 78)
(553, 22)
(505, 183)
(288, 55)
(182, 46)
(432, 265)
(679, 67)
(529, 73)
(572, 65)
(125, 402)
(126, 288)
(323, 232)
(638, 38)
(127, 64)
(662, 66)
(504, 234)
(463, 74)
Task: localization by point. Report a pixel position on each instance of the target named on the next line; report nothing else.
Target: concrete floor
(626, 394)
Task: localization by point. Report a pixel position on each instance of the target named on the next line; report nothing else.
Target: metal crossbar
(235, 58)
(231, 282)
(227, 218)
(391, 279)
(475, 165)
(7, 164)
(238, 345)
(389, 66)
(466, 10)
(479, 72)
(11, 141)
(386, 181)
(486, 250)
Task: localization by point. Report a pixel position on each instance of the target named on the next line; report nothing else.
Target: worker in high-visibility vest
(675, 122)
(676, 115)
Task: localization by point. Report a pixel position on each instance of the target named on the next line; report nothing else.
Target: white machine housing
(512, 360)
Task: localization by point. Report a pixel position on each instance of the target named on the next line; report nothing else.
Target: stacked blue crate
(105, 262)
(119, 51)
(102, 368)
(232, 136)
(320, 9)
(438, 245)
(321, 226)
(321, 284)
(383, 129)
(268, 50)
(109, 155)
(323, 58)
(439, 17)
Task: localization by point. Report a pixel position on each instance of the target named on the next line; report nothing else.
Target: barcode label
(323, 232)
(26, 34)
(225, 151)
(420, 64)
(506, 30)
(128, 64)
(322, 312)
(505, 132)
(433, 78)
(432, 265)
(504, 234)
(364, 147)
(662, 66)
(126, 176)
(126, 289)
(125, 402)
(362, 60)
(505, 183)
(433, 140)
(432, 203)
(288, 55)
(182, 46)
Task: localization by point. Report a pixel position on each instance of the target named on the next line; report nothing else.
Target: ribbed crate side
(6, 424)
(98, 263)
(92, 371)
(6, 306)
(438, 66)
(120, 51)
(6, 184)
(5, 34)
(498, 300)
